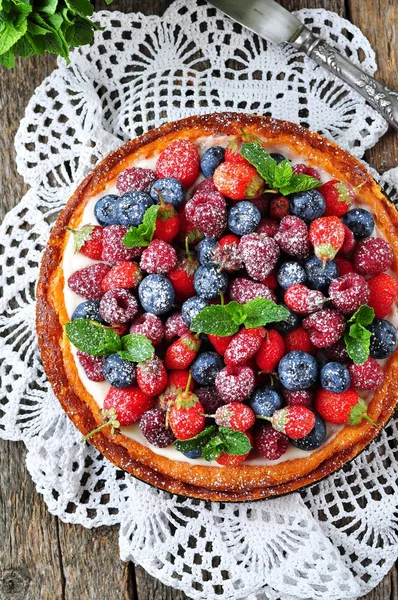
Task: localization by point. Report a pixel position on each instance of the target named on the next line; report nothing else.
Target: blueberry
(209, 282)
(292, 322)
(335, 377)
(105, 210)
(196, 453)
(384, 338)
(172, 190)
(131, 208)
(319, 275)
(308, 205)
(289, 273)
(206, 367)
(88, 310)
(278, 157)
(360, 221)
(210, 160)
(192, 307)
(315, 438)
(298, 370)
(205, 250)
(156, 294)
(265, 401)
(243, 218)
(118, 372)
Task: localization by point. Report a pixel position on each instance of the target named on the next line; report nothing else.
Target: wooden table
(42, 558)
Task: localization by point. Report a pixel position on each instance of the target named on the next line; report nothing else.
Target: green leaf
(92, 337)
(81, 7)
(136, 347)
(199, 441)
(7, 59)
(9, 34)
(357, 341)
(143, 234)
(283, 174)
(213, 448)
(236, 311)
(261, 311)
(81, 236)
(214, 320)
(363, 316)
(79, 34)
(299, 183)
(46, 6)
(234, 442)
(261, 160)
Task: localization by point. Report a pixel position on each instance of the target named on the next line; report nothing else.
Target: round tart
(217, 302)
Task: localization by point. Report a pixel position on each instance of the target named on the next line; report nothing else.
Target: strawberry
(167, 222)
(235, 415)
(226, 253)
(302, 300)
(326, 234)
(88, 240)
(341, 409)
(182, 352)
(299, 339)
(271, 351)
(243, 346)
(182, 278)
(279, 207)
(220, 343)
(232, 151)
(176, 383)
(233, 460)
(339, 196)
(238, 181)
(383, 292)
(125, 274)
(130, 404)
(180, 160)
(151, 376)
(295, 421)
(186, 415)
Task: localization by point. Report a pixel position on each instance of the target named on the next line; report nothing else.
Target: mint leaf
(213, 448)
(236, 311)
(261, 160)
(283, 174)
(357, 341)
(81, 236)
(199, 441)
(92, 337)
(215, 320)
(363, 316)
(143, 234)
(234, 442)
(299, 183)
(260, 311)
(136, 347)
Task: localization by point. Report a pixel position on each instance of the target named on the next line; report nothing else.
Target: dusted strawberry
(232, 151)
(125, 274)
(383, 292)
(243, 346)
(159, 257)
(233, 460)
(235, 415)
(87, 282)
(226, 253)
(176, 383)
(151, 376)
(294, 421)
(279, 208)
(130, 404)
(88, 240)
(149, 325)
(186, 415)
(238, 181)
(299, 339)
(325, 327)
(367, 376)
(326, 234)
(180, 160)
(182, 352)
(182, 278)
(220, 343)
(341, 409)
(302, 300)
(167, 222)
(271, 351)
(339, 195)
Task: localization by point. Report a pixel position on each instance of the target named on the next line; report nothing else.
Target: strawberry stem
(161, 199)
(188, 382)
(187, 250)
(370, 420)
(222, 298)
(264, 418)
(112, 422)
(270, 192)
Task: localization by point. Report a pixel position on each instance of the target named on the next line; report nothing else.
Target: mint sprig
(357, 337)
(212, 441)
(197, 442)
(223, 320)
(81, 236)
(278, 176)
(136, 347)
(143, 234)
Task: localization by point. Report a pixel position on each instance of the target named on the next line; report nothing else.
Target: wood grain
(40, 557)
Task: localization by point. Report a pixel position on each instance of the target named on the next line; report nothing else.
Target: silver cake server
(276, 24)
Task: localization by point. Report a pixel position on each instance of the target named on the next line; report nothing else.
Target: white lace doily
(336, 539)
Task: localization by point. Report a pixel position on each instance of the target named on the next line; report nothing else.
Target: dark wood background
(42, 558)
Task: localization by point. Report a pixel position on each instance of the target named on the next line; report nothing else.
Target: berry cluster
(234, 238)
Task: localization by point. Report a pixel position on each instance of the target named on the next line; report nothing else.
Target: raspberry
(261, 203)
(235, 384)
(337, 352)
(87, 282)
(302, 169)
(130, 404)
(298, 397)
(182, 352)
(292, 237)
(295, 421)
(344, 266)
(124, 274)
(175, 327)
(154, 428)
(207, 211)
(233, 460)
(339, 196)
(242, 290)
(279, 208)
(299, 339)
(149, 325)
(227, 254)
(325, 327)
(271, 351)
(220, 343)
(346, 407)
(367, 376)
(372, 256)
(243, 346)
(270, 443)
(238, 181)
(93, 365)
(135, 179)
(186, 416)
(349, 241)
(259, 254)
(302, 300)
(182, 278)
(235, 415)
(209, 399)
(179, 160)
(207, 185)
(326, 234)
(118, 306)
(113, 248)
(151, 376)
(268, 226)
(159, 257)
(383, 291)
(349, 292)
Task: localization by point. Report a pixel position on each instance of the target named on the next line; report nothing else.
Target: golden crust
(246, 482)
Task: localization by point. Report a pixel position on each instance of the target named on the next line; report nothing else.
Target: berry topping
(149, 325)
(344, 266)
(360, 221)
(131, 208)
(298, 397)
(344, 408)
(88, 310)
(170, 189)
(268, 226)
(154, 428)
(179, 160)
(210, 160)
(302, 300)
(339, 196)
(349, 242)
(87, 282)
(156, 294)
(233, 460)
(292, 237)
(93, 365)
(279, 208)
(235, 384)
(159, 257)
(349, 292)
(124, 274)
(262, 203)
(383, 341)
(243, 346)
(325, 327)
(335, 377)
(175, 327)
(270, 352)
(182, 352)
(151, 376)
(320, 275)
(220, 343)
(337, 352)
(118, 372)
(209, 399)
(270, 443)
(238, 181)
(367, 376)
(243, 218)
(207, 212)
(167, 223)
(118, 306)
(288, 324)
(176, 383)
(298, 370)
(226, 253)
(383, 292)
(205, 250)
(295, 421)
(114, 250)
(210, 282)
(130, 404)
(135, 179)
(192, 307)
(182, 278)
(299, 339)
(235, 415)
(105, 210)
(243, 290)
(326, 234)
(308, 205)
(372, 256)
(88, 240)
(186, 416)
(290, 273)
(206, 367)
(315, 438)
(265, 401)
(302, 169)
(259, 254)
